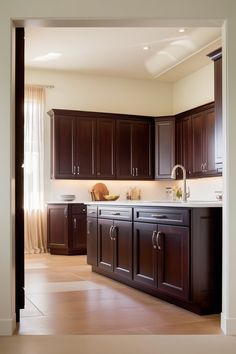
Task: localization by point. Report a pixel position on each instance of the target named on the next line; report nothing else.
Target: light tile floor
(64, 297)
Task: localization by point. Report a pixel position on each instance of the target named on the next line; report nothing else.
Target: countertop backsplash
(200, 189)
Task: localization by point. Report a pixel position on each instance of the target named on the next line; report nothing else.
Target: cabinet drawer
(115, 213)
(172, 216)
(92, 211)
(78, 208)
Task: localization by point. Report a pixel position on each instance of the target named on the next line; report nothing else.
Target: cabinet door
(85, 147)
(142, 163)
(124, 149)
(105, 244)
(183, 146)
(197, 143)
(145, 255)
(57, 226)
(62, 157)
(106, 148)
(164, 147)
(122, 235)
(173, 260)
(92, 241)
(78, 239)
(209, 143)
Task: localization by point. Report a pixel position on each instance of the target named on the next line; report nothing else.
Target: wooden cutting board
(98, 191)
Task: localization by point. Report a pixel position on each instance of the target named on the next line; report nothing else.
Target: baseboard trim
(228, 325)
(7, 326)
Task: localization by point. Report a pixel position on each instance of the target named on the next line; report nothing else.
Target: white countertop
(149, 203)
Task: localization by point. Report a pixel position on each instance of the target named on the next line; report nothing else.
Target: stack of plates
(67, 197)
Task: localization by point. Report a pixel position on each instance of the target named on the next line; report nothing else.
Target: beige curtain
(34, 210)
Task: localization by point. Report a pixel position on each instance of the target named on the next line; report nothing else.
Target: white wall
(194, 90)
(202, 12)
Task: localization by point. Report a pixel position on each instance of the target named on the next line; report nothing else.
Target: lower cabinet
(161, 258)
(66, 228)
(115, 246)
(174, 253)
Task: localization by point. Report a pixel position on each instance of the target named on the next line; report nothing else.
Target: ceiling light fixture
(47, 57)
(182, 30)
(146, 47)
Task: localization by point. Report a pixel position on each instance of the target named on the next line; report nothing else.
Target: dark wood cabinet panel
(173, 260)
(57, 226)
(164, 147)
(134, 149)
(195, 142)
(92, 241)
(66, 228)
(105, 148)
(84, 150)
(63, 141)
(115, 246)
(123, 262)
(145, 255)
(105, 244)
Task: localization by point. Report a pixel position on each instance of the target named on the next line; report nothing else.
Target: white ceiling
(119, 51)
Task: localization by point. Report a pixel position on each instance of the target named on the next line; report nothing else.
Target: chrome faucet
(186, 194)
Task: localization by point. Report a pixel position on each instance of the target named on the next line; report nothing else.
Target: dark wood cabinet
(92, 236)
(93, 145)
(195, 142)
(66, 228)
(176, 253)
(164, 147)
(134, 157)
(173, 260)
(115, 243)
(145, 256)
(161, 251)
(72, 145)
(105, 148)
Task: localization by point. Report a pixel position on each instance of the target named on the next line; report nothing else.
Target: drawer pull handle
(158, 235)
(75, 223)
(110, 232)
(115, 213)
(92, 212)
(153, 240)
(159, 216)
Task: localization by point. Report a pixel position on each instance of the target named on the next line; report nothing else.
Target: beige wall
(194, 90)
(131, 12)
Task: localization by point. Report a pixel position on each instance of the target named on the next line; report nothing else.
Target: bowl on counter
(67, 197)
(111, 197)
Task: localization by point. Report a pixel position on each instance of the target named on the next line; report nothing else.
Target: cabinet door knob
(136, 171)
(75, 223)
(133, 172)
(77, 170)
(110, 232)
(74, 170)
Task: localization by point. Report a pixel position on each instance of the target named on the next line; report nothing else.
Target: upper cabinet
(195, 142)
(91, 145)
(164, 147)
(217, 57)
(134, 149)
(73, 145)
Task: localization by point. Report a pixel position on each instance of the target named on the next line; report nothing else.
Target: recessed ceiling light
(146, 47)
(182, 30)
(47, 57)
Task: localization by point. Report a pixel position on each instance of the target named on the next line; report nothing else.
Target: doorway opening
(44, 261)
